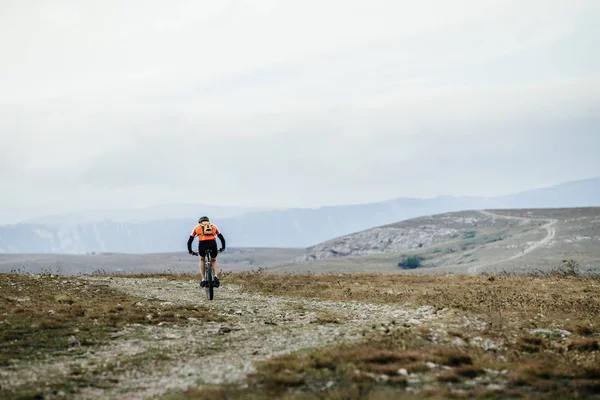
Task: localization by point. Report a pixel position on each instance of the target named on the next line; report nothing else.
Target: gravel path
(257, 327)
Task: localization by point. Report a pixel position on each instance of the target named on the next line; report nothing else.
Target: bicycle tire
(210, 291)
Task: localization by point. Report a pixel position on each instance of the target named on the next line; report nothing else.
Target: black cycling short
(210, 246)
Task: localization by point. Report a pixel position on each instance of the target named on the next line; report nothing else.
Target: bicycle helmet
(202, 219)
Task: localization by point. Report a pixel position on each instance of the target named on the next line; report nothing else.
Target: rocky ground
(170, 357)
(327, 336)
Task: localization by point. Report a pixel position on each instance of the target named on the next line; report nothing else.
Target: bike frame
(210, 291)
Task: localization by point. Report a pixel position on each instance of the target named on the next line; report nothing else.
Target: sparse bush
(494, 238)
(584, 330)
(569, 268)
(412, 262)
(469, 371)
(470, 234)
(584, 344)
(98, 272)
(448, 376)
(467, 246)
(453, 357)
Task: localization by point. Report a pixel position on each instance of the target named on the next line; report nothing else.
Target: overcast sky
(108, 104)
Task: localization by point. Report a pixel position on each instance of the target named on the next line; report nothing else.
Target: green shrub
(410, 262)
(470, 234)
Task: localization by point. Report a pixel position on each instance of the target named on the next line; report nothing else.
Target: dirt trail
(257, 327)
(549, 227)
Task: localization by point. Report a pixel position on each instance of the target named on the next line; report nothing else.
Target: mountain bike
(210, 291)
(210, 284)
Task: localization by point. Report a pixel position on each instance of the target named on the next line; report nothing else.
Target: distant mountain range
(162, 229)
(143, 214)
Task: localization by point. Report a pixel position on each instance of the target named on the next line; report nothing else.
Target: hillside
(298, 228)
(469, 241)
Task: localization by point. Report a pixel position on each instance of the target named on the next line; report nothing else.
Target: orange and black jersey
(205, 232)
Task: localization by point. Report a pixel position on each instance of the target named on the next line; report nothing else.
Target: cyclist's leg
(201, 254)
(202, 268)
(213, 257)
(213, 261)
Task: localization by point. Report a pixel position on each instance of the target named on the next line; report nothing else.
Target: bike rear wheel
(210, 291)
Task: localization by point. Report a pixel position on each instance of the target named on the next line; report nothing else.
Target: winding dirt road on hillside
(150, 360)
(549, 226)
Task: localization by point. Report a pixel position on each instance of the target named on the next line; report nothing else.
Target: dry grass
(448, 376)
(468, 371)
(38, 315)
(584, 344)
(373, 367)
(512, 306)
(327, 318)
(539, 365)
(444, 359)
(472, 293)
(584, 330)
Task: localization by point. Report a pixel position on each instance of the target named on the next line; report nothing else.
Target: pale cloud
(299, 103)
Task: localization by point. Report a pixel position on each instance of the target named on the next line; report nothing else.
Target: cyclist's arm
(189, 244)
(222, 239)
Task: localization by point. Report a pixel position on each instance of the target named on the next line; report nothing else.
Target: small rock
(550, 333)
(431, 365)
(73, 342)
(238, 312)
(224, 329)
(547, 332)
(495, 387)
(330, 384)
(24, 299)
(425, 309)
(403, 372)
(488, 345)
(51, 312)
(117, 334)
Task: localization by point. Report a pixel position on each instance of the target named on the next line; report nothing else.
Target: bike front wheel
(210, 290)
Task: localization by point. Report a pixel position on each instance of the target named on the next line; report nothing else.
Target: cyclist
(207, 244)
